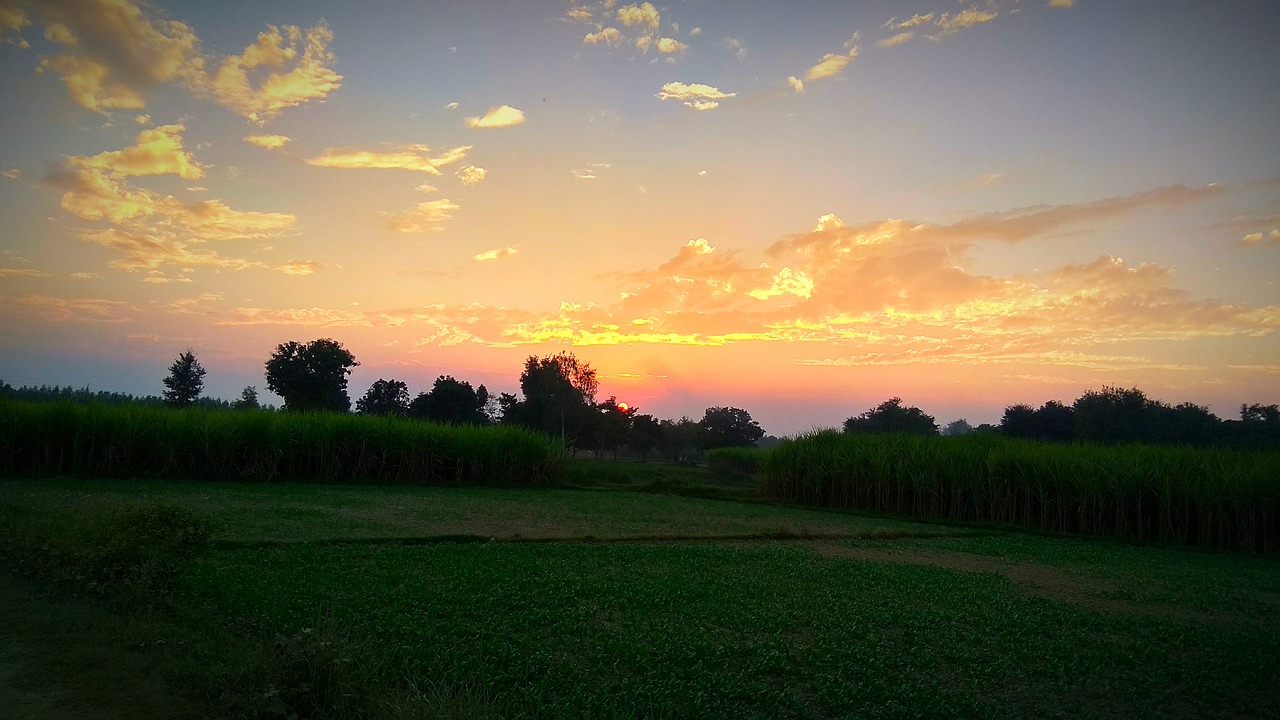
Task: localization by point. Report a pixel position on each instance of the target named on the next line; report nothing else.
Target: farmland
(392, 601)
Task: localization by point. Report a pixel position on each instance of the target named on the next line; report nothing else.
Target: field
(391, 601)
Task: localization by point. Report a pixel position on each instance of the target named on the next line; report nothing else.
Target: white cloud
(269, 142)
(417, 158)
(608, 36)
(735, 46)
(489, 255)
(499, 117)
(830, 65)
(696, 95)
(796, 83)
(470, 174)
(643, 15)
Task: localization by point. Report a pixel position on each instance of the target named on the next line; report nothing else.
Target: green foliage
(728, 427)
(891, 417)
(385, 397)
(731, 460)
(311, 376)
(185, 381)
(1215, 498)
(131, 554)
(132, 441)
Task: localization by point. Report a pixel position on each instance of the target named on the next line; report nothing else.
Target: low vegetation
(1214, 498)
(862, 617)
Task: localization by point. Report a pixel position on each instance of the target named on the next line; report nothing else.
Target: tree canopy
(185, 381)
(453, 402)
(559, 396)
(729, 427)
(385, 397)
(311, 376)
(891, 417)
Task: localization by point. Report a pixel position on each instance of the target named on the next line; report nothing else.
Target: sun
(623, 406)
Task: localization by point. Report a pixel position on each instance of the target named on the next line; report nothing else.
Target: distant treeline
(1116, 415)
(85, 396)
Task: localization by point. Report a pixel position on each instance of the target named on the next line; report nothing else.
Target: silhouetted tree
(311, 376)
(185, 381)
(559, 396)
(957, 427)
(611, 426)
(729, 427)
(891, 417)
(680, 439)
(385, 397)
(646, 434)
(248, 399)
(1115, 415)
(454, 402)
(1056, 422)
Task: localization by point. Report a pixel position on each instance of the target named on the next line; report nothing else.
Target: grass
(871, 618)
(258, 513)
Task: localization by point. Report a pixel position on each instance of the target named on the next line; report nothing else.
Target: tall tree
(311, 376)
(385, 397)
(891, 417)
(729, 427)
(559, 396)
(185, 381)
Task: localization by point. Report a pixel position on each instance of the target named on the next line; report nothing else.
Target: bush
(734, 460)
(131, 555)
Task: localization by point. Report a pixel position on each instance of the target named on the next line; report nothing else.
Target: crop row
(42, 439)
(1215, 498)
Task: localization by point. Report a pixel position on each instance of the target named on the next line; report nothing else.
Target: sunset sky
(797, 209)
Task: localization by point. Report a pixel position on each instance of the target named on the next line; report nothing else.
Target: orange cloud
(643, 15)
(55, 309)
(268, 142)
(830, 65)
(470, 174)
(488, 255)
(424, 217)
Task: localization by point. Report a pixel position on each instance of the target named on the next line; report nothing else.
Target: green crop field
(329, 601)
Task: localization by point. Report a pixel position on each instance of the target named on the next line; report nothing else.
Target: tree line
(558, 397)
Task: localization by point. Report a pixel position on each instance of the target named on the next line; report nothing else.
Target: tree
(248, 399)
(559, 396)
(185, 381)
(646, 434)
(729, 427)
(891, 417)
(311, 376)
(385, 397)
(1116, 415)
(453, 402)
(957, 427)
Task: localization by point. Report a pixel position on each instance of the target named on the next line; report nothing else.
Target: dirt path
(1039, 580)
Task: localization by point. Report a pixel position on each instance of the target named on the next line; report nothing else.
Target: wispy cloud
(428, 216)
(285, 67)
(498, 117)
(489, 255)
(269, 142)
(470, 174)
(696, 95)
(418, 158)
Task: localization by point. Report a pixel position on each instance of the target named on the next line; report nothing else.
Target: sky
(799, 209)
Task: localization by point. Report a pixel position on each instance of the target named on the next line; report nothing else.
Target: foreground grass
(850, 625)
(256, 512)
